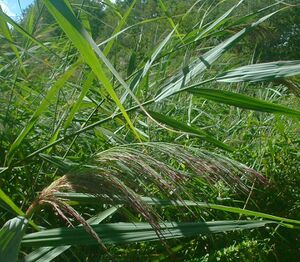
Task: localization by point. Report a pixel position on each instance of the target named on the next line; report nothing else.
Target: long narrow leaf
(206, 61)
(188, 129)
(174, 27)
(10, 204)
(86, 46)
(47, 254)
(10, 238)
(261, 72)
(128, 232)
(243, 101)
(218, 22)
(91, 199)
(136, 81)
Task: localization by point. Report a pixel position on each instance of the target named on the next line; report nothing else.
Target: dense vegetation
(150, 130)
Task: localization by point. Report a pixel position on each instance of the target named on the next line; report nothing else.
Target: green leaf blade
(188, 129)
(86, 47)
(243, 101)
(128, 232)
(261, 72)
(10, 238)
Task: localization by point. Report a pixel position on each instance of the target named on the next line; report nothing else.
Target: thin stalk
(111, 117)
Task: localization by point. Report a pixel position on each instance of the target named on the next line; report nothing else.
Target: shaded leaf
(10, 238)
(45, 254)
(188, 129)
(11, 206)
(128, 232)
(91, 199)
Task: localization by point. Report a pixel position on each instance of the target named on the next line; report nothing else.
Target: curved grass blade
(92, 199)
(140, 76)
(47, 254)
(261, 72)
(92, 76)
(10, 238)
(86, 46)
(218, 22)
(243, 101)
(205, 61)
(10, 204)
(188, 129)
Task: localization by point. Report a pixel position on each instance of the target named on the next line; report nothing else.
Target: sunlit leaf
(261, 72)
(205, 61)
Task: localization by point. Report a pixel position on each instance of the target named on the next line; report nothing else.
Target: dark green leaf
(10, 238)
(188, 129)
(128, 232)
(243, 101)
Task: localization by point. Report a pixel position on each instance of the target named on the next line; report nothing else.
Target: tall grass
(80, 117)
